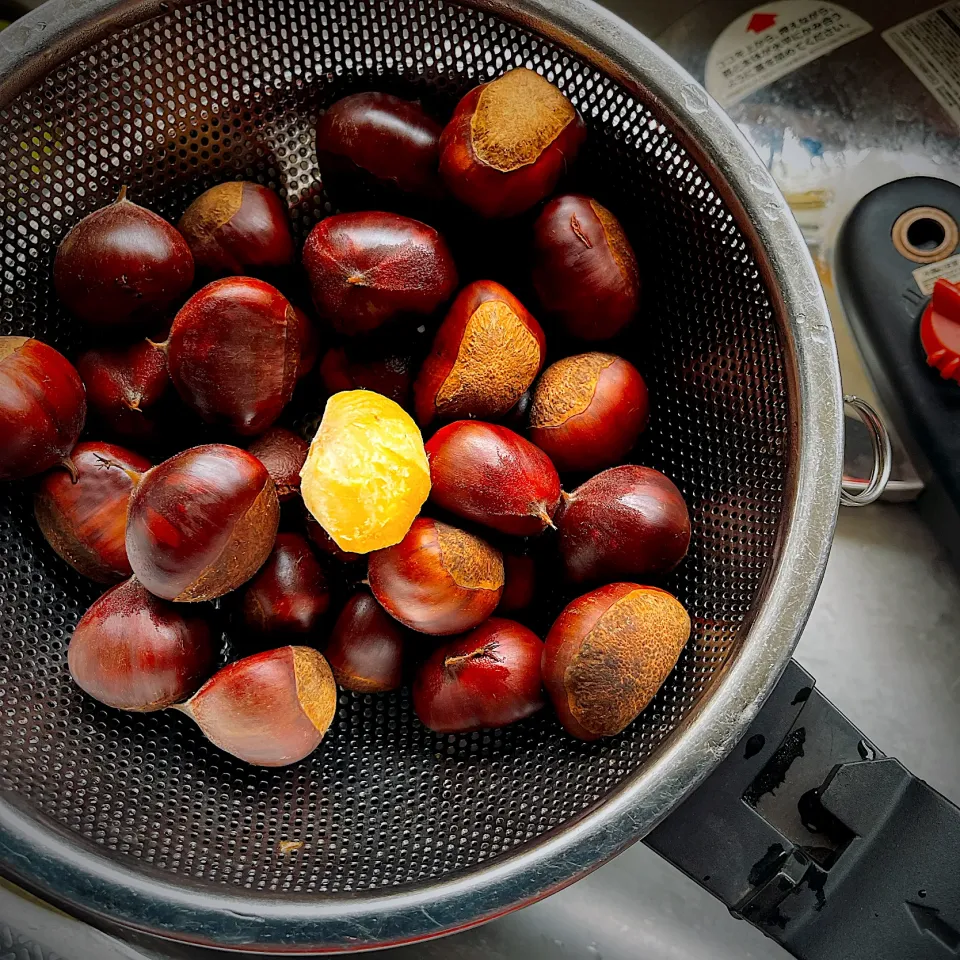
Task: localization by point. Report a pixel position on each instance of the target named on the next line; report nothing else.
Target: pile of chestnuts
(499, 566)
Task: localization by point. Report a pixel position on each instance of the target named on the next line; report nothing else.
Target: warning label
(769, 42)
(930, 46)
(928, 275)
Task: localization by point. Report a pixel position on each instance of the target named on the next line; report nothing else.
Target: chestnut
(365, 650)
(201, 523)
(366, 269)
(238, 229)
(366, 475)
(81, 508)
(491, 475)
(585, 271)
(289, 595)
(437, 579)
(608, 653)
(508, 143)
(133, 651)
(626, 521)
(234, 353)
(588, 411)
(270, 709)
(488, 678)
(126, 386)
(42, 407)
(486, 353)
(520, 582)
(379, 140)
(283, 453)
(391, 375)
(327, 545)
(121, 265)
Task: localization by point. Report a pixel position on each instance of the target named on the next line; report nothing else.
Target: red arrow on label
(760, 22)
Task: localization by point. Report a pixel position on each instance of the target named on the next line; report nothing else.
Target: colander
(397, 833)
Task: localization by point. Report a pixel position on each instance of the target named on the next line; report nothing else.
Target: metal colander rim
(52, 860)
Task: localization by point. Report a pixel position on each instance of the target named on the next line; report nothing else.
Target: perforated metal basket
(403, 833)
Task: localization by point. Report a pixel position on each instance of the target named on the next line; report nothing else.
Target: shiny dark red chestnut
(271, 709)
(491, 475)
(520, 583)
(289, 596)
(309, 343)
(485, 354)
(42, 407)
(122, 264)
(437, 579)
(585, 270)
(283, 453)
(508, 143)
(366, 269)
(382, 140)
(234, 354)
(133, 651)
(608, 654)
(238, 229)
(588, 411)
(488, 678)
(626, 521)
(365, 650)
(126, 387)
(390, 375)
(202, 523)
(81, 508)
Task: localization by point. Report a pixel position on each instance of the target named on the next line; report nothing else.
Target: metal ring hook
(882, 457)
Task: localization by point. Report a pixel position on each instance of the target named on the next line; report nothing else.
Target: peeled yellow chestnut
(486, 353)
(508, 143)
(608, 654)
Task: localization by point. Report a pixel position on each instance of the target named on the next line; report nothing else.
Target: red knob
(940, 330)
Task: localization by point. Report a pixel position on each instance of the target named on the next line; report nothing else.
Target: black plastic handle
(809, 833)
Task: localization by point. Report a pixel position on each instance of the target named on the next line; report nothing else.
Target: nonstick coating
(205, 92)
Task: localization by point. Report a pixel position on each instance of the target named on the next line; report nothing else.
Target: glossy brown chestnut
(309, 343)
(42, 407)
(486, 353)
(608, 654)
(488, 678)
(588, 411)
(289, 595)
(520, 582)
(271, 709)
(380, 139)
(366, 269)
(585, 271)
(437, 579)
(626, 521)
(133, 651)
(327, 545)
(365, 650)
(391, 375)
(202, 523)
(81, 508)
(508, 143)
(283, 453)
(491, 475)
(126, 387)
(234, 353)
(122, 264)
(238, 229)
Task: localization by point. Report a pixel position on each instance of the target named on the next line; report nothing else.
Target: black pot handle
(810, 834)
